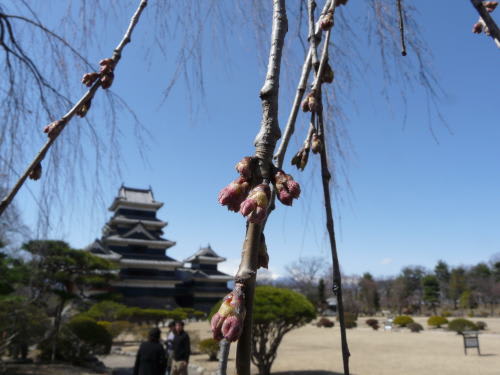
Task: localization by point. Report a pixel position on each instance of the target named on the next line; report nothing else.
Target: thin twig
(301, 88)
(337, 280)
(401, 28)
(225, 345)
(265, 144)
(326, 176)
(76, 108)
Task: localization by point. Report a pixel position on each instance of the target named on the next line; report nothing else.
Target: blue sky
(412, 200)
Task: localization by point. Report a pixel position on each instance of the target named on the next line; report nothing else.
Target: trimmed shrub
(325, 322)
(350, 320)
(446, 314)
(437, 321)
(459, 325)
(481, 325)
(415, 327)
(78, 340)
(115, 328)
(210, 347)
(403, 320)
(95, 336)
(373, 323)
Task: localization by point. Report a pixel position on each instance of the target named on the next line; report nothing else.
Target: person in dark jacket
(182, 350)
(151, 357)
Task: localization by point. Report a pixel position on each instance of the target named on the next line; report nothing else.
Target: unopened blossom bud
(227, 322)
(234, 194)
(53, 129)
(316, 144)
(310, 103)
(254, 208)
(88, 79)
(244, 167)
(82, 111)
(107, 66)
(477, 28)
(340, 2)
(328, 74)
(305, 104)
(286, 187)
(490, 5)
(36, 172)
(107, 80)
(326, 21)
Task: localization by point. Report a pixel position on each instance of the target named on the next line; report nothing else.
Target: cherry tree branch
(494, 31)
(301, 88)
(265, 143)
(84, 100)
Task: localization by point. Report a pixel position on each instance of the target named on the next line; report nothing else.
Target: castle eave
(164, 264)
(146, 283)
(161, 244)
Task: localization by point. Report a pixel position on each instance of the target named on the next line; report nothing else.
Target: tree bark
(117, 53)
(265, 143)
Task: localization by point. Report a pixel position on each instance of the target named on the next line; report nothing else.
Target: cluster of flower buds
(316, 144)
(227, 322)
(301, 157)
(82, 111)
(286, 187)
(238, 196)
(54, 128)
(36, 172)
(234, 194)
(310, 103)
(106, 74)
(254, 208)
(480, 26)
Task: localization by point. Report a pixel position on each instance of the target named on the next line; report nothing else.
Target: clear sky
(411, 201)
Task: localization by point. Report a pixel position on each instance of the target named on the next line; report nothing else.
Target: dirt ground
(316, 351)
(310, 350)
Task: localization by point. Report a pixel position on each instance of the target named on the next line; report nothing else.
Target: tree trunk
(57, 324)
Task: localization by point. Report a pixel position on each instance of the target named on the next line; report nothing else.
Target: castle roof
(205, 255)
(135, 198)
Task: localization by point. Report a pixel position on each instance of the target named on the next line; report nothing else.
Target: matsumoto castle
(148, 277)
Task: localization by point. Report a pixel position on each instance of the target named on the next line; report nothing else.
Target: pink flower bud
(234, 194)
(326, 21)
(53, 129)
(232, 328)
(228, 321)
(258, 215)
(107, 80)
(477, 28)
(88, 79)
(254, 208)
(293, 187)
(248, 206)
(216, 325)
(287, 188)
(36, 172)
(490, 5)
(285, 197)
(244, 167)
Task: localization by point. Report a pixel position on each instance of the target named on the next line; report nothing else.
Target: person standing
(169, 344)
(182, 350)
(151, 358)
